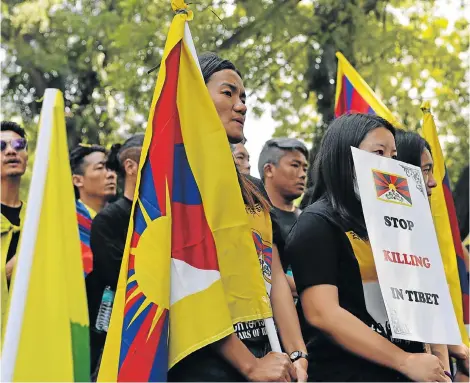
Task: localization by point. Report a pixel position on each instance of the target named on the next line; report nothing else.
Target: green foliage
(98, 53)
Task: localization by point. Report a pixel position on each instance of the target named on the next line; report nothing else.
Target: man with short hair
(108, 239)
(14, 160)
(282, 166)
(94, 185)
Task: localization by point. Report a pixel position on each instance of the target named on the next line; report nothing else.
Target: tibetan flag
(46, 337)
(447, 230)
(353, 95)
(85, 216)
(190, 268)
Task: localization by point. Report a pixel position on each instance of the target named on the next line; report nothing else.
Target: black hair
(130, 149)
(210, 63)
(276, 148)
(13, 127)
(461, 195)
(410, 146)
(333, 168)
(77, 156)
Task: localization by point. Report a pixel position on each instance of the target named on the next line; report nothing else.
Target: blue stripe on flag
(185, 189)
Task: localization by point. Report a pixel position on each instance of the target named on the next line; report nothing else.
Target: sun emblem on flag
(265, 254)
(391, 188)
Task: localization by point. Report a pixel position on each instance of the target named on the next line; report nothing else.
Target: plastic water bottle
(104, 312)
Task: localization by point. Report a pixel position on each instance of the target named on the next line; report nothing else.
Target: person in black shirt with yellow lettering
(344, 342)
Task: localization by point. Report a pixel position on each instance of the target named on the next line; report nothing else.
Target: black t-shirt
(13, 215)
(107, 241)
(320, 254)
(286, 220)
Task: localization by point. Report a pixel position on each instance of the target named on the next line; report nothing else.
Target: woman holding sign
(415, 150)
(344, 342)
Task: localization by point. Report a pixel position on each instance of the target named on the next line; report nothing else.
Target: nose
(431, 181)
(111, 174)
(240, 107)
(9, 149)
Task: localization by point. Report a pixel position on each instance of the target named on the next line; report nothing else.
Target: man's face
(289, 176)
(14, 154)
(97, 180)
(242, 159)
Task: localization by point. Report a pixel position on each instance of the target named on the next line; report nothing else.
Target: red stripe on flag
(358, 104)
(165, 130)
(140, 357)
(192, 239)
(129, 293)
(341, 106)
(84, 221)
(131, 264)
(130, 303)
(453, 220)
(135, 239)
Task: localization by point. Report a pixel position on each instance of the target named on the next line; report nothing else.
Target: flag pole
(270, 327)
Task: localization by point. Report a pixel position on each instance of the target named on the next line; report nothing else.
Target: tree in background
(98, 53)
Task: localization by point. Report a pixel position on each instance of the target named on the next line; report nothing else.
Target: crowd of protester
(317, 295)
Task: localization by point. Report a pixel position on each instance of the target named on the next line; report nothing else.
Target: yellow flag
(190, 268)
(46, 336)
(445, 221)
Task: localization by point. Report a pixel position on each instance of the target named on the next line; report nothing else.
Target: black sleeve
(107, 248)
(277, 234)
(312, 248)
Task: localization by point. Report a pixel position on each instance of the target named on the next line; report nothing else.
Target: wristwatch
(296, 355)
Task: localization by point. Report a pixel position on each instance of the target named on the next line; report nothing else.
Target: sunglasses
(16, 144)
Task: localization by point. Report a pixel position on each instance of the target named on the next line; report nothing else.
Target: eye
(243, 100)
(394, 157)
(379, 152)
(295, 165)
(227, 93)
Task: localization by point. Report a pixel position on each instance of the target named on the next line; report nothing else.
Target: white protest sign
(406, 252)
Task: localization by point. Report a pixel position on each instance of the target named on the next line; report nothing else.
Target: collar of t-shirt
(12, 214)
(90, 210)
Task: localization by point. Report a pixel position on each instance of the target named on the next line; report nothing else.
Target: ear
(130, 167)
(77, 180)
(268, 170)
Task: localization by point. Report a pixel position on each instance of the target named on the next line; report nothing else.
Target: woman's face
(427, 167)
(381, 142)
(227, 92)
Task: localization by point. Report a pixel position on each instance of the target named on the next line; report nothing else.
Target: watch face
(295, 355)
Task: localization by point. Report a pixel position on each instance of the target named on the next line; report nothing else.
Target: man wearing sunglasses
(282, 166)
(14, 159)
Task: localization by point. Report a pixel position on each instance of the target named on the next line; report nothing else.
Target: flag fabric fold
(46, 336)
(85, 217)
(190, 270)
(445, 221)
(353, 94)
